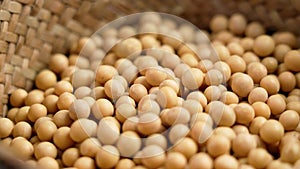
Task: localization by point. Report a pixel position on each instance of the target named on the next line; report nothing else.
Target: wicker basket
(33, 29)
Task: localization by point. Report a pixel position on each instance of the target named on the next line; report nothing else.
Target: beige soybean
(270, 63)
(271, 131)
(175, 160)
(280, 51)
(218, 23)
(226, 161)
(276, 164)
(65, 100)
(228, 98)
(79, 109)
(125, 111)
(236, 63)
(236, 49)
(242, 84)
(82, 129)
(165, 97)
(46, 130)
(289, 119)
(63, 86)
(284, 37)
(45, 79)
(89, 147)
(105, 73)
(204, 65)
(222, 52)
(198, 96)
(186, 146)
(169, 59)
(224, 36)
(290, 152)
(22, 147)
(254, 29)
(189, 59)
(212, 93)
(62, 118)
(271, 84)
(6, 127)
(22, 114)
(157, 139)
(256, 71)
(192, 106)
(22, 129)
(213, 77)
(192, 78)
(111, 58)
(11, 114)
(45, 149)
(149, 123)
(153, 156)
(130, 124)
(17, 97)
(292, 60)
(40, 121)
(34, 96)
(201, 160)
(128, 47)
(137, 91)
(217, 108)
(69, 156)
(171, 83)
(107, 156)
(47, 163)
(263, 45)
(62, 138)
(102, 108)
(36, 111)
(142, 80)
(149, 41)
(259, 158)
(108, 131)
(114, 89)
(50, 102)
(175, 115)
(258, 94)
(242, 144)
(247, 43)
(85, 162)
(237, 23)
(225, 131)
(155, 76)
(261, 109)
(277, 104)
(287, 81)
(293, 106)
(148, 105)
(125, 164)
(250, 57)
(244, 113)
(125, 100)
(177, 132)
(218, 145)
(129, 143)
(256, 124)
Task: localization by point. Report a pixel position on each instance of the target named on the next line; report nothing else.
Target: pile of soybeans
(224, 98)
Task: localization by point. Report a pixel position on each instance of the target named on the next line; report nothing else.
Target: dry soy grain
(179, 102)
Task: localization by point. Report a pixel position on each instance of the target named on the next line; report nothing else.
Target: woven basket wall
(33, 29)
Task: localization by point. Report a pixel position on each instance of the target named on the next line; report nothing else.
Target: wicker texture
(33, 29)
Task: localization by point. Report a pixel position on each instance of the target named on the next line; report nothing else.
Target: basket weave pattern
(33, 29)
